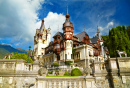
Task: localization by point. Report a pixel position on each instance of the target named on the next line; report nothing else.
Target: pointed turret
(67, 21)
(98, 33)
(98, 29)
(42, 28)
(67, 14)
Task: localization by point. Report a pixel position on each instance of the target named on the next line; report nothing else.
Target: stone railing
(65, 82)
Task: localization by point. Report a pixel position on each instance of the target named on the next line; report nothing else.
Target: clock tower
(68, 37)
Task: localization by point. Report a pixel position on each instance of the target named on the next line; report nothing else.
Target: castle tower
(101, 43)
(40, 41)
(68, 36)
(48, 36)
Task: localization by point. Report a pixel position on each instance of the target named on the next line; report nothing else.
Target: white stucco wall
(48, 39)
(68, 49)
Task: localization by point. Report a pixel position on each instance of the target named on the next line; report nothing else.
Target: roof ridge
(81, 32)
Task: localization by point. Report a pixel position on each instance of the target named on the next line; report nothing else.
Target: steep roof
(81, 35)
(58, 33)
(94, 39)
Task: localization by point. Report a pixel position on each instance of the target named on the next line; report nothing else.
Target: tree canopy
(23, 56)
(117, 39)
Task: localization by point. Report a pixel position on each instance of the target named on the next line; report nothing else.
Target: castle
(101, 72)
(64, 43)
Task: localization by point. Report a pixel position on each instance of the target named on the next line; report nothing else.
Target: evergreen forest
(118, 39)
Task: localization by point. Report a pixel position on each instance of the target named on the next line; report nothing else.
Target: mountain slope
(4, 49)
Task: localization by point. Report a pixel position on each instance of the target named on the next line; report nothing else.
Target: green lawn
(61, 76)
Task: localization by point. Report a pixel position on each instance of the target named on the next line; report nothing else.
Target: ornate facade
(41, 40)
(65, 42)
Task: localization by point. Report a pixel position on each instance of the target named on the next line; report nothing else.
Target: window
(71, 44)
(71, 56)
(67, 28)
(55, 47)
(62, 45)
(58, 37)
(65, 56)
(58, 46)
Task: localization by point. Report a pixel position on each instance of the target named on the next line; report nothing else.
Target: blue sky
(19, 19)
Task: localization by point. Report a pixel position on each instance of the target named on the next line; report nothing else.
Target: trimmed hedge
(66, 74)
(68, 62)
(55, 64)
(49, 72)
(76, 72)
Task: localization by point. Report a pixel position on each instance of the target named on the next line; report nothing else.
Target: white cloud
(18, 19)
(101, 28)
(110, 24)
(53, 20)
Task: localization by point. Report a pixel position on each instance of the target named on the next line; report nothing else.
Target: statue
(121, 52)
(42, 71)
(87, 71)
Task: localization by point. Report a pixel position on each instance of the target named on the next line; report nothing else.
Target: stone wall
(112, 73)
(17, 82)
(17, 74)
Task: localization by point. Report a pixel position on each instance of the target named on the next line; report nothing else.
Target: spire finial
(84, 28)
(43, 17)
(67, 9)
(97, 29)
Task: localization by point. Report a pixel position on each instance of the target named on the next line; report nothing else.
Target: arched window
(58, 46)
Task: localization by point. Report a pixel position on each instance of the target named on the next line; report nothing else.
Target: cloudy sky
(19, 19)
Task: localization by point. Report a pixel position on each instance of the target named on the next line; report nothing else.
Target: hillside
(4, 49)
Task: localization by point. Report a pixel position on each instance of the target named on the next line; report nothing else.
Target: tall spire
(43, 18)
(67, 10)
(98, 33)
(67, 14)
(42, 24)
(98, 29)
(84, 28)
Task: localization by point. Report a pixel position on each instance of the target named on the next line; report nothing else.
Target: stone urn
(61, 73)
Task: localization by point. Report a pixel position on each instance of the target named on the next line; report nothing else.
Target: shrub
(55, 64)
(68, 62)
(59, 69)
(76, 72)
(66, 74)
(49, 72)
